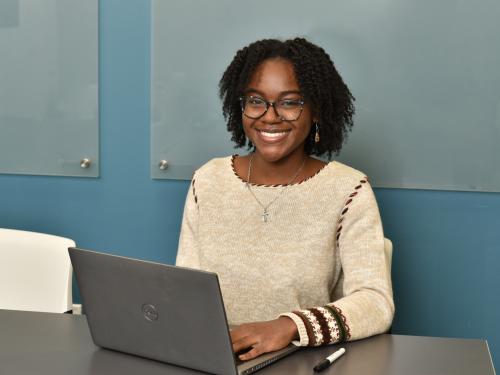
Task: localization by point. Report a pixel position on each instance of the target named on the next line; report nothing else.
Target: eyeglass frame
(269, 104)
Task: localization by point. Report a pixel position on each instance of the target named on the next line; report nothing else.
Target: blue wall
(447, 250)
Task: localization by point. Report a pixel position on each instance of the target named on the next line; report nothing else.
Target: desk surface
(43, 343)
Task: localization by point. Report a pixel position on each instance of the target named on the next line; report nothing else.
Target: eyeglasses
(255, 107)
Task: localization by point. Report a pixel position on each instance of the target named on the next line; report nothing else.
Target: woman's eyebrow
(283, 93)
(290, 92)
(250, 89)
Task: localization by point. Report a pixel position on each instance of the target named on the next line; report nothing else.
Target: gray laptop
(166, 313)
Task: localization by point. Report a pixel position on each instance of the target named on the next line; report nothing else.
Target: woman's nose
(271, 115)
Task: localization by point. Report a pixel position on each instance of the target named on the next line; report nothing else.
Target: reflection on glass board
(425, 76)
(49, 87)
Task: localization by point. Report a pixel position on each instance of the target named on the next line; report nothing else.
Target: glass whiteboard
(425, 75)
(49, 87)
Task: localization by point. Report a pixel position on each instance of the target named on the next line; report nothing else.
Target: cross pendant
(264, 216)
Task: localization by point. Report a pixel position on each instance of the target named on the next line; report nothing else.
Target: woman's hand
(263, 337)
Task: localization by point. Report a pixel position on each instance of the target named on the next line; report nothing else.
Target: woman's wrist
(290, 327)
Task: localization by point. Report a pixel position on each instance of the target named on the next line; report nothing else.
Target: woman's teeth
(272, 135)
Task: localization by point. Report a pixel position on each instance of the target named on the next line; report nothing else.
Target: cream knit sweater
(319, 259)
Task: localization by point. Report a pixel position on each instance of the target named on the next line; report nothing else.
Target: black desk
(56, 344)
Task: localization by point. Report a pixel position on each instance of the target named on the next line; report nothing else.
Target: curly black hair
(320, 84)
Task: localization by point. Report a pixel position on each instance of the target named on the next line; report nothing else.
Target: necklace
(265, 213)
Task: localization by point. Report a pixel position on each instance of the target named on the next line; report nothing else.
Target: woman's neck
(279, 172)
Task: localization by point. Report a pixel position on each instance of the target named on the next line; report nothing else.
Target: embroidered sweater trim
(277, 185)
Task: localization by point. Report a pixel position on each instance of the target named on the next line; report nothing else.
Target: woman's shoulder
(345, 181)
(345, 172)
(214, 168)
(338, 179)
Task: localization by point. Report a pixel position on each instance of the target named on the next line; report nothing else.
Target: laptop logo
(149, 312)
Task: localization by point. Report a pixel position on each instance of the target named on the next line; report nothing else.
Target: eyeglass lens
(286, 109)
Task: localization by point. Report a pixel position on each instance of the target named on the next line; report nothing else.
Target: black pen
(329, 360)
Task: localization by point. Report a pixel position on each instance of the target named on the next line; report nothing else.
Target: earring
(316, 136)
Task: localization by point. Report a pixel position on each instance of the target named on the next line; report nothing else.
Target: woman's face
(276, 139)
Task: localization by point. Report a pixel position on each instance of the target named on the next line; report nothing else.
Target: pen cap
(335, 355)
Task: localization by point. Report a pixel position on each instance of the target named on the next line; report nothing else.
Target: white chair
(388, 260)
(35, 272)
(388, 253)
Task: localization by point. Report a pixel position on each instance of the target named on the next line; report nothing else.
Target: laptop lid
(167, 313)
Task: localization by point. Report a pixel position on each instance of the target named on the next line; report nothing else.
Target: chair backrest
(388, 253)
(35, 271)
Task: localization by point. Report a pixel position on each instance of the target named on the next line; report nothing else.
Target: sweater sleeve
(365, 306)
(188, 251)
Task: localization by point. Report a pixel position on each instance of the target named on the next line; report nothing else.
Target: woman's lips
(272, 137)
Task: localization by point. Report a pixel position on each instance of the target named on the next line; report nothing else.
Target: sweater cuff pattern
(322, 325)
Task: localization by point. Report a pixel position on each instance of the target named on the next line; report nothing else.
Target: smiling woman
(297, 243)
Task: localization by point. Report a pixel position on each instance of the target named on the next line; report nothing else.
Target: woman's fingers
(262, 337)
(253, 353)
(244, 343)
